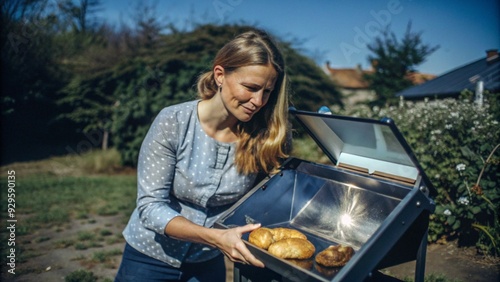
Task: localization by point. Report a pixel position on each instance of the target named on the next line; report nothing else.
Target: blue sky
(338, 30)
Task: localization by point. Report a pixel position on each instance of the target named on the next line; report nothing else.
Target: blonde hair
(262, 141)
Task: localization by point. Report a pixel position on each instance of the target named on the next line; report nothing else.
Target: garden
(75, 206)
(73, 90)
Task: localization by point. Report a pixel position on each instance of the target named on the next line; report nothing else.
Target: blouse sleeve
(155, 173)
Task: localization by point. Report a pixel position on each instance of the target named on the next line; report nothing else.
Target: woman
(199, 158)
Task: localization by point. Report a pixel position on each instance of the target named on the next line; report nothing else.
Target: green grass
(105, 232)
(104, 256)
(53, 201)
(81, 276)
(54, 193)
(89, 239)
(46, 201)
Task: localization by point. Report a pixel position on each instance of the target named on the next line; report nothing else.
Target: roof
(349, 78)
(454, 82)
(354, 78)
(419, 78)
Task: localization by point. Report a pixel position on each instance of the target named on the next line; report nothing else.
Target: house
(355, 89)
(351, 84)
(480, 74)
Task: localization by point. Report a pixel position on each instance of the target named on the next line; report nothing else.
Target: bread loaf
(281, 233)
(292, 248)
(282, 242)
(335, 256)
(261, 237)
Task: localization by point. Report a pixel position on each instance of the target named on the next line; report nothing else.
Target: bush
(125, 98)
(456, 142)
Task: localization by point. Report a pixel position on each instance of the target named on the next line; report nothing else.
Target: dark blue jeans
(136, 266)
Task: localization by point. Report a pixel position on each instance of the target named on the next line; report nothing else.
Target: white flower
(448, 126)
(460, 167)
(437, 131)
(447, 212)
(463, 201)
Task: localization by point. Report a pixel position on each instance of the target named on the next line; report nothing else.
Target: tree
(79, 16)
(393, 60)
(123, 99)
(90, 105)
(30, 78)
(148, 24)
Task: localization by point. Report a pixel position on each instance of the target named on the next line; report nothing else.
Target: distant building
(482, 74)
(355, 89)
(351, 84)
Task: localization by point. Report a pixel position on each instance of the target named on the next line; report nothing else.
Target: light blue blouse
(182, 172)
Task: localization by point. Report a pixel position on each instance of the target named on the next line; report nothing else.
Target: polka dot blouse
(181, 172)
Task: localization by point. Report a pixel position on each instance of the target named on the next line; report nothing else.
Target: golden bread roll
(281, 233)
(335, 256)
(292, 248)
(261, 237)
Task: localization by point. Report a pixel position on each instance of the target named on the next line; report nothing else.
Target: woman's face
(246, 90)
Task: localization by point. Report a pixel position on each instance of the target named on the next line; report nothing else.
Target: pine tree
(393, 60)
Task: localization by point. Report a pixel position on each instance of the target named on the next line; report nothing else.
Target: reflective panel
(344, 213)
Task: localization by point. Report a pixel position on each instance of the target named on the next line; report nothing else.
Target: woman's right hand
(230, 243)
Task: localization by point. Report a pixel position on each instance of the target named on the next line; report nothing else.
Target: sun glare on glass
(346, 220)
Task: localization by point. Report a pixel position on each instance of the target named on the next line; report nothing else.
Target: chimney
(359, 69)
(328, 64)
(328, 69)
(491, 54)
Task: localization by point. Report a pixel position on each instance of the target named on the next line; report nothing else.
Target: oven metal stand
(421, 257)
(245, 273)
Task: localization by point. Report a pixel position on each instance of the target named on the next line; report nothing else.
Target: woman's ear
(219, 75)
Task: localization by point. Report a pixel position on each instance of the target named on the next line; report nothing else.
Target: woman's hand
(230, 243)
(227, 241)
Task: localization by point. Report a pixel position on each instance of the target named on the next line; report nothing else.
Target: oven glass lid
(372, 146)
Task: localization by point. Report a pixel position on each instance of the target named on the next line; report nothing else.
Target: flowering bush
(456, 141)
